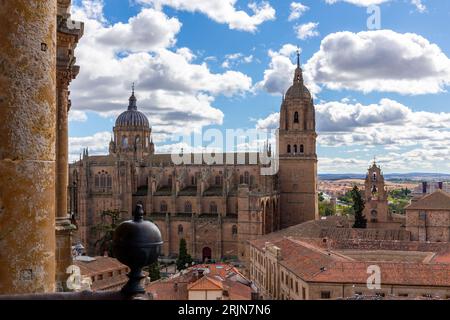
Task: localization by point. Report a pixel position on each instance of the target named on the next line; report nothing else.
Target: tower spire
(298, 77)
(132, 105)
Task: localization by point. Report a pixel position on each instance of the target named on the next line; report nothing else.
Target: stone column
(27, 146)
(68, 34)
(64, 226)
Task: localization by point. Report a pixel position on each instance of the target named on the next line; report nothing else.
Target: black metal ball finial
(136, 243)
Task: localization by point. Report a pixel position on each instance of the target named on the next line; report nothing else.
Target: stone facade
(376, 208)
(428, 219)
(301, 269)
(68, 34)
(215, 208)
(297, 154)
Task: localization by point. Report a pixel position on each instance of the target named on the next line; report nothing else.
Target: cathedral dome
(132, 117)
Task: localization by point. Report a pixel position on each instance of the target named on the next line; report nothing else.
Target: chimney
(424, 187)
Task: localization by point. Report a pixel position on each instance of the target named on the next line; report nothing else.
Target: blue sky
(224, 64)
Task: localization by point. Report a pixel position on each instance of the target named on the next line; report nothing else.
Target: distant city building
(215, 208)
(428, 187)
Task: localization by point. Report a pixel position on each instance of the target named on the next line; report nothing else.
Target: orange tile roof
(438, 200)
(205, 283)
(99, 265)
(168, 290)
(318, 265)
(220, 277)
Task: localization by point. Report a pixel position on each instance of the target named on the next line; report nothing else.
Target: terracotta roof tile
(438, 200)
(318, 265)
(205, 283)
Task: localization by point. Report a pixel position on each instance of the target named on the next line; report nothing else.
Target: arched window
(193, 180)
(234, 230)
(187, 207)
(288, 148)
(295, 148)
(124, 141)
(169, 181)
(302, 148)
(180, 229)
(218, 180)
(163, 206)
(246, 177)
(97, 181)
(296, 117)
(137, 141)
(213, 207)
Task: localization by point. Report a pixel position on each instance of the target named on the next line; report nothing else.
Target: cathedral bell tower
(297, 153)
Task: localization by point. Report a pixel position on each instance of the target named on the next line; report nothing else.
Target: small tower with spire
(376, 196)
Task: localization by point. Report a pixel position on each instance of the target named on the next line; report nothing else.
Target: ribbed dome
(298, 90)
(132, 117)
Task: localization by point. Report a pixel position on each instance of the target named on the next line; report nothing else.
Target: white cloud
(223, 11)
(388, 123)
(366, 3)
(77, 116)
(297, 10)
(271, 122)
(97, 144)
(176, 93)
(381, 60)
(234, 59)
(280, 73)
(410, 139)
(361, 3)
(419, 5)
(307, 30)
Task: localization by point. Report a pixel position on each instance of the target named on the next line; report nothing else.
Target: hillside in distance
(413, 176)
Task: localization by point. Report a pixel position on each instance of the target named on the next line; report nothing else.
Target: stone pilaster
(68, 34)
(27, 146)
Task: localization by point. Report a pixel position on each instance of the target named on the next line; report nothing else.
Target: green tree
(321, 197)
(326, 209)
(358, 208)
(153, 271)
(104, 231)
(183, 257)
